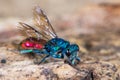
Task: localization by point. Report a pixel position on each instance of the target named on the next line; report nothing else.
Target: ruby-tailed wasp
(42, 39)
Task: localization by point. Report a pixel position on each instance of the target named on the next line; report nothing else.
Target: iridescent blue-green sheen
(55, 45)
(57, 48)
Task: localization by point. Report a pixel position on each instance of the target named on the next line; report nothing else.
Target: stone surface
(57, 71)
(20, 67)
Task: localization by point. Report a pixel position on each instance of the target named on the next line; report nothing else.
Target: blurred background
(93, 24)
(63, 14)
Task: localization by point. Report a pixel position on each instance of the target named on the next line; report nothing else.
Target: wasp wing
(42, 23)
(30, 31)
(42, 28)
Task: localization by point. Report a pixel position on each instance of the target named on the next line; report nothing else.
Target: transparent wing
(30, 31)
(42, 23)
(42, 27)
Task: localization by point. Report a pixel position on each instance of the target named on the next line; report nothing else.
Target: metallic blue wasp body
(51, 46)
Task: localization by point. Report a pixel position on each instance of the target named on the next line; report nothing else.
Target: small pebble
(3, 61)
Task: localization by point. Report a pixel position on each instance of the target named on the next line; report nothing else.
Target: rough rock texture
(20, 67)
(25, 70)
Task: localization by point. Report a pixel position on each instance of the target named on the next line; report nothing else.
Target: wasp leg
(74, 61)
(74, 58)
(25, 51)
(78, 59)
(67, 60)
(43, 59)
(40, 53)
(36, 51)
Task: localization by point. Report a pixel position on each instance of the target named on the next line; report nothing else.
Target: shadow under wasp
(42, 39)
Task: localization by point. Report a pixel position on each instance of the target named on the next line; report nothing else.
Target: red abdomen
(33, 43)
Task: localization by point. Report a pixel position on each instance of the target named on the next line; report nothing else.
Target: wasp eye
(68, 53)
